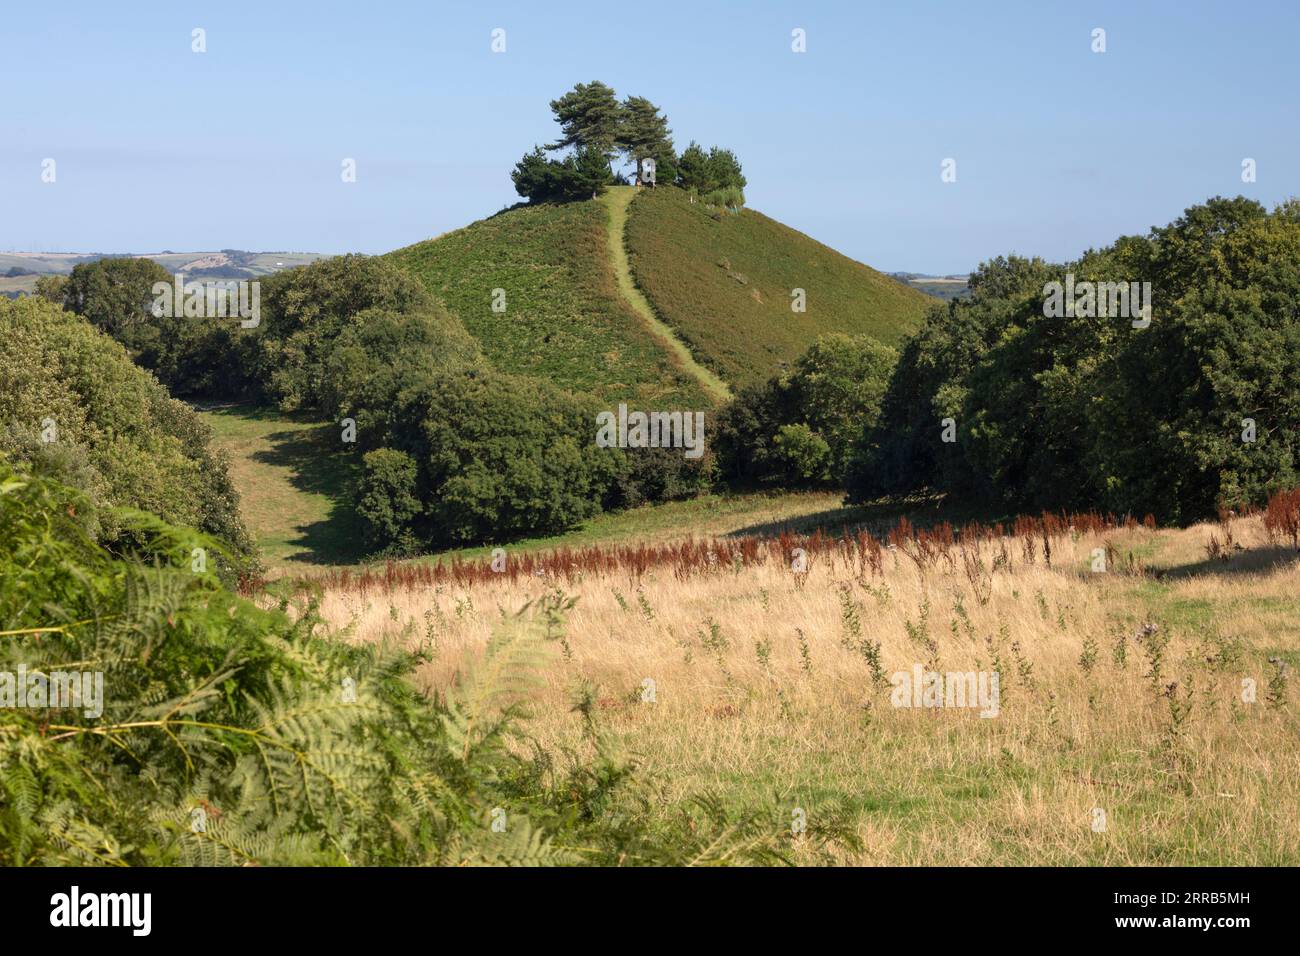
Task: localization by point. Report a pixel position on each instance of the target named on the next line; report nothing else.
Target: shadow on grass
(318, 465)
(1249, 561)
(878, 518)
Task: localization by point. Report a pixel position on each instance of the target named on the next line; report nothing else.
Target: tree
(724, 169)
(535, 176)
(386, 503)
(1195, 410)
(644, 134)
(52, 287)
(382, 353)
(305, 309)
(836, 389)
(114, 295)
(800, 428)
(500, 456)
(589, 116)
(903, 452)
(715, 176)
(191, 355)
(693, 168)
(580, 175)
(590, 174)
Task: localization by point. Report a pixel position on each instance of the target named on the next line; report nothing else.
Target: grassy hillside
(565, 319)
(616, 201)
(722, 281)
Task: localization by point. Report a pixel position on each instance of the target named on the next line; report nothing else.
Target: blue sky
(1057, 148)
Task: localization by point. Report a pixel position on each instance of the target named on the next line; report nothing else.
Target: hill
(706, 288)
(722, 281)
(564, 317)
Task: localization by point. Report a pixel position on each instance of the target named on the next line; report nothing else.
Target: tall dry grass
(1121, 692)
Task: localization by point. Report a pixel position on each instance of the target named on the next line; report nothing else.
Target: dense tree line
(1197, 408)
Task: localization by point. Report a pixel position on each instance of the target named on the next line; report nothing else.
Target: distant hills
(941, 287)
(20, 270)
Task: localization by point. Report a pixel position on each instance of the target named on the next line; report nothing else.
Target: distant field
(18, 284)
(723, 282)
(565, 319)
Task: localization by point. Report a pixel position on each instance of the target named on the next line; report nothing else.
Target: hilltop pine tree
(644, 134)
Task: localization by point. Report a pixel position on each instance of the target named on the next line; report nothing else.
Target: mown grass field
(292, 475)
(722, 281)
(1113, 743)
(565, 319)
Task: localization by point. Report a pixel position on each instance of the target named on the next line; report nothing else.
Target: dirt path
(616, 201)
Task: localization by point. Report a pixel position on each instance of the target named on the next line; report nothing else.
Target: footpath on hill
(616, 200)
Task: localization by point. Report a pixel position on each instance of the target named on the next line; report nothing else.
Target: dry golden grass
(1184, 769)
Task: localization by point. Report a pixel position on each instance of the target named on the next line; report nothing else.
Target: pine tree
(644, 134)
(589, 116)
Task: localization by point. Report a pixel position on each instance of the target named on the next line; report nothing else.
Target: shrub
(730, 197)
(801, 455)
(75, 407)
(658, 474)
(387, 502)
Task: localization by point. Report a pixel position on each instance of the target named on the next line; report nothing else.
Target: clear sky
(1058, 148)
